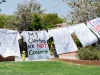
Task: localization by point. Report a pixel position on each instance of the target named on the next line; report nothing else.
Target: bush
(78, 43)
(89, 53)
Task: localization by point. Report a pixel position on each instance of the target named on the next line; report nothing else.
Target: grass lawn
(46, 68)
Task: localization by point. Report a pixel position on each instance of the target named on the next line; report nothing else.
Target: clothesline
(37, 46)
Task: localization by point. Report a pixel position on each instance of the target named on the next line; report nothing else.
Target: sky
(51, 6)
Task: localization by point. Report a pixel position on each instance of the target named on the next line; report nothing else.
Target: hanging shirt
(62, 40)
(85, 36)
(94, 25)
(9, 45)
(70, 29)
(36, 44)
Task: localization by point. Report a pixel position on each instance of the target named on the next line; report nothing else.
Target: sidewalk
(71, 56)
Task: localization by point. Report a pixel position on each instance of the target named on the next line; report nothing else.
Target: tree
(83, 10)
(2, 1)
(36, 24)
(25, 11)
(45, 21)
(8, 21)
(51, 19)
(1, 21)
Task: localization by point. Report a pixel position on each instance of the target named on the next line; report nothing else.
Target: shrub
(78, 43)
(89, 53)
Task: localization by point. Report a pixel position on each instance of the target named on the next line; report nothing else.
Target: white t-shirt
(62, 40)
(36, 44)
(94, 25)
(9, 45)
(70, 29)
(85, 36)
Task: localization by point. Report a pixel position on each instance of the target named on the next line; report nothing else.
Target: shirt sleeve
(23, 35)
(18, 36)
(47, 35)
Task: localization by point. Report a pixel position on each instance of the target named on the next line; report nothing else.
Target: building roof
(60, 25)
